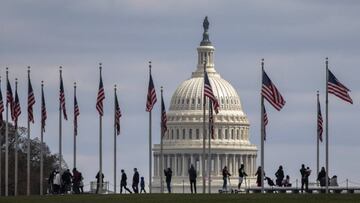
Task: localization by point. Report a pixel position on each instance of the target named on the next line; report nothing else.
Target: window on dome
(177, 134)
(187, 101)
(182, 101)
(172, 134)
(190, 134)
(183, 134)
(193, 101)
(237, 134)
(197, 134)
(226, 134)
(232, 133)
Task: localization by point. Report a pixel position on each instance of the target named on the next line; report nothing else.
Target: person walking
(66, 180)
(192, 178)
(226, 175)
(123, 182)
(304, 178)
(242, 175)
(322, 177)
(135, 183)
(259, 176)
(168, 175)
(142, 185)
(279, 176)
(81, 184)
(98, 181)
(57, 182)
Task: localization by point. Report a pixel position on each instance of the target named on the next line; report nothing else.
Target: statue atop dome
(205, 41)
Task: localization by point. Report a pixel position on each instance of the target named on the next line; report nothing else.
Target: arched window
(190, 134)
(232, 133)
(183, 134)
(226, 134)
(177, 134)
(197, 134)
(172, 134)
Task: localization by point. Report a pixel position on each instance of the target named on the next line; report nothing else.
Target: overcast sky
(294, 37)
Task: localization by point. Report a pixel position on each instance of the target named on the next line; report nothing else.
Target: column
(234, 165)
(200, 164)
(176, 165)
(183, 165)
(168, 161)
(155, 165)
(226, 160)
(217, 165)
(192, 159)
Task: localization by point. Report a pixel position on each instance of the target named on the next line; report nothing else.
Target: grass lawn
(187, 198)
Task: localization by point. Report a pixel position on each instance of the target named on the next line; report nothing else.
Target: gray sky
(294, 37)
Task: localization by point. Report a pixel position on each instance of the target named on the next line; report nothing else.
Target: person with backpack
(142, 185)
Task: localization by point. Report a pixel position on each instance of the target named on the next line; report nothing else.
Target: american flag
(31, 101)
(17, 109)
(43, 109)
(208, 92)
(117, 115)
(319, 122)
(10, 99)
(151, 95)
(266, 121)
(211, 121)
(163, 117)
(100, 97)
(62, 97)
(271, 93)
(76, 113)
(1, 107)
(336, 88)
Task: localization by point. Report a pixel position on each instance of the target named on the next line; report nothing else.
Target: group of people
(65, 182)
(123, 182)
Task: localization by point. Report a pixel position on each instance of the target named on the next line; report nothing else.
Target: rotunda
(183, 142)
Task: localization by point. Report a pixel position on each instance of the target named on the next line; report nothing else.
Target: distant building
(183, 143)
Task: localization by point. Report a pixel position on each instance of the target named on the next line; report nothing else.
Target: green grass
(187, 198)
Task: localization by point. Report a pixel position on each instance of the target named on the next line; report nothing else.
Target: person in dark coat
(98, 181)
(279, 176)
(259, 176)
(192, 177)
(123, 182)
(142, 185)
(307, 174)
(66, 181)
(242, 175)
(303, 173)
(168, 175)
(136, 179)
(322, 177)
(51, 181)
(226, 175)
(76, 181)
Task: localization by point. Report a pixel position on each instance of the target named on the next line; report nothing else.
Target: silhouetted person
(192, 178)
(57, 182)
(322, 177)
(303, 173)
(226, 175)
(98, 181)
(242, 175)
(136, 179)
(66, 180)
(81, 184)
(142, 185)
(279, 176)
(286, 181)
(123, 182)
(259, 176)
(333, 181)
(76, 179)
(307, 174)
(168, 175)
(51, 181)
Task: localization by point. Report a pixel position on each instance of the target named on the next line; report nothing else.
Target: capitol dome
(183, 141)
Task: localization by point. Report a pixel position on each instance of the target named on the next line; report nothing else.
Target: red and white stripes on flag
(43, 109)
(62, 97)
(271, 93)
(208, 92)
(211, 121)
(151, 95)
(1, 106)
(10, 98)
(100, 97)
(266, 121)
(163, 117)
(31, 100)
(319, 122)
(17, 109)
(76, 113)
(336, 88)
(117, 115)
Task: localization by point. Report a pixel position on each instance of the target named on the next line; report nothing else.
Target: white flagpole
(2, 122)
(327, 126)
(60, 128)
(204, 136)
(150, 144)
(16, 149)
(209, 149)
(262, 133)
(100, 147)
(318, 136)
(161, 149)
(41, 145)
(28, 146)
(115, 139)
(7, 140)
(74, 128)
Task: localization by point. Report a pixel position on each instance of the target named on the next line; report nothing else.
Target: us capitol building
(183, 142)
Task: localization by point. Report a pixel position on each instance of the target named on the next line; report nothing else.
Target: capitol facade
(183, 142)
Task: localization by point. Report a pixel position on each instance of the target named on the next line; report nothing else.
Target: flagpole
(1, 146)
(7, 140)
(114, 139)
(209, 150)
(327, 126)
(28, 145)
(317, 137)
(262, 133)
(161, 149)
(204, 137)
(41, 144)
(74, 128)
(16, 147)
(150, 143)
(60, 126)
(100, 145)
